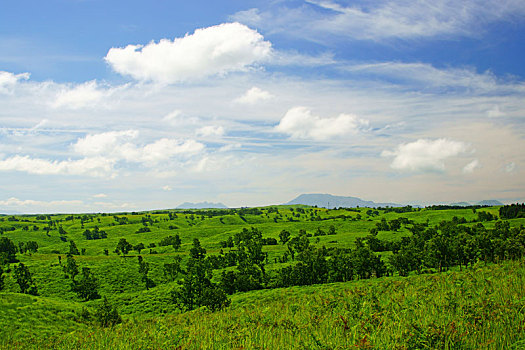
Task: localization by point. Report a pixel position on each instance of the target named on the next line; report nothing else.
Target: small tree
(1, 278)
(73, 250)
(87, 287)
(123, 247)
(25, 280)
(7, 251)
(71, 267)
(107, 315)
(139, 247)
(143, 270)
(284, 236)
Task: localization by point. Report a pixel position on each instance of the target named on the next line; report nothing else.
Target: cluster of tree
(392, 225)
(196, 288)
(486, 216)
(27, 228)
(174, 241)
(452, 244)
(86, 286)
(398, 210)
(6, 229)
(29, 246)
(96, 233)
(512, 211)
(121, 220)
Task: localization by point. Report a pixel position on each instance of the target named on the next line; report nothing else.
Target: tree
(71, 267)
(139, 247)
(107, 315)
(7, 251)
(123, 247)
(1, 278)
(143, 270)
(284, 236)
(87, 287)
(73, 250)
(171, 270)
(25, 280)
(196, 287)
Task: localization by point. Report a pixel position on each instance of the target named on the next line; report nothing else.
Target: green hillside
(336, 282)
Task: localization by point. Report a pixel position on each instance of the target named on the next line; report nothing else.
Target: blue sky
(126, 105)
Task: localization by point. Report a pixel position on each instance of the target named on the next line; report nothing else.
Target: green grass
(479, 308)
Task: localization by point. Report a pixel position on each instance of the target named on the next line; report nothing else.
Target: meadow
(474, 302)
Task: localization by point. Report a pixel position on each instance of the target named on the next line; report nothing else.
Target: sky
(109, 106)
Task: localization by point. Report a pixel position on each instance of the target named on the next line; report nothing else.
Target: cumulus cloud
(425, 155)
(8, 80)
(253, 96)
(300, 123)
(104, 143)
(93, 166)
(470, 167)
(208, 51)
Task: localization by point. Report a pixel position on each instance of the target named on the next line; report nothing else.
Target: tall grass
(478, 308)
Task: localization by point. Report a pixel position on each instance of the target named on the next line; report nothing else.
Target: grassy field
(480, 307)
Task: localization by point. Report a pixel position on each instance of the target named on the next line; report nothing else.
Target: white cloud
(253, 96)
(167, 188)
(425, 76)
(425, 155)
(15, 202)
(208, 51)
(116, 145)
(470, 167)
(107, 143)
(210, 130)
(89, 94)
(300, 123)
(382, 20)
(94, 166)
(100, 195)
(8, 80)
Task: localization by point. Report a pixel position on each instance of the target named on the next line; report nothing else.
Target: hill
(490, 202)
(202, 205)
(330, 201)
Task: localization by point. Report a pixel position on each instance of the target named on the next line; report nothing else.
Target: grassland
(480, 307)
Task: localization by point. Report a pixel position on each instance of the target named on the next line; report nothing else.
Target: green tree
(24, 278)
(106, 314)
(123, 247)
(7, 251)
(143, 271)
(71, 267)
(284, 236)
(1, 277)
(87, 286)
(73, 250)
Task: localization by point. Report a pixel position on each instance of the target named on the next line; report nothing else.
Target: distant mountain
(461, 204)
(330, 201)
(491, 202)
(202, 205)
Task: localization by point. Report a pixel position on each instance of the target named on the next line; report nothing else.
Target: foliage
(7, 251)
(107, 315)
(87, 286)
(24, 279)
